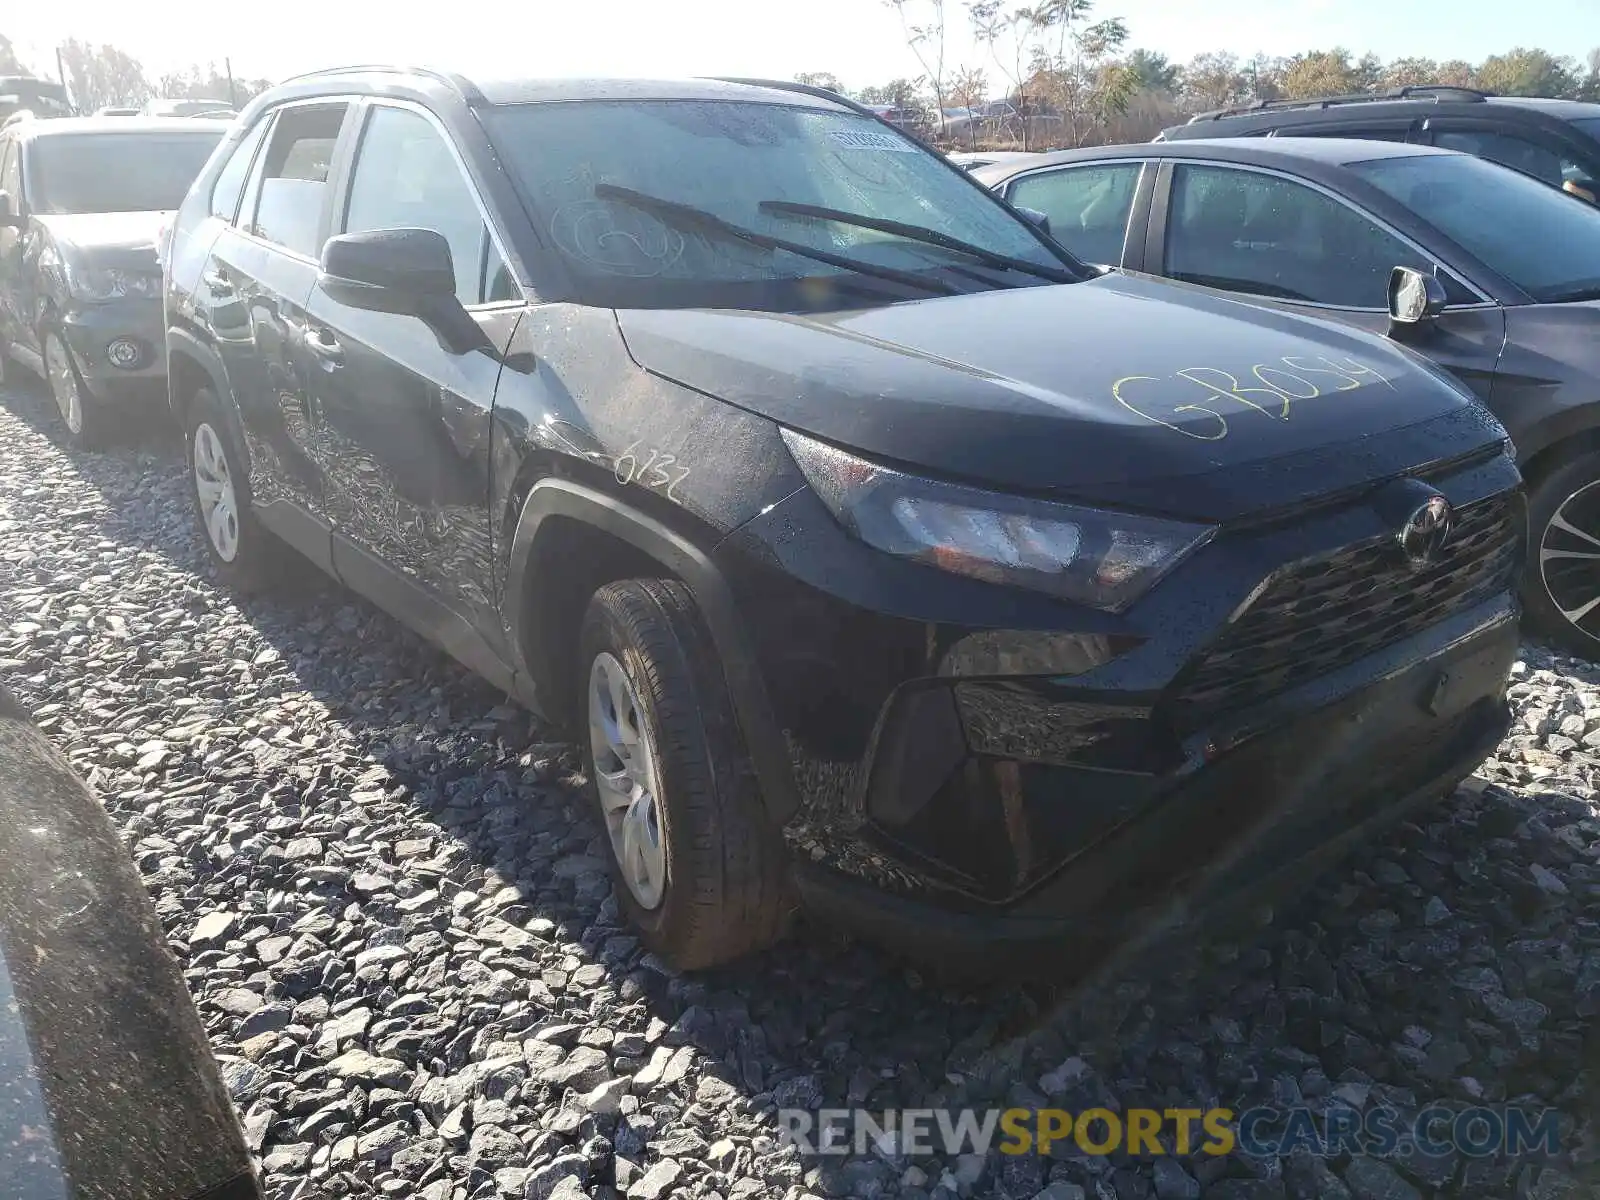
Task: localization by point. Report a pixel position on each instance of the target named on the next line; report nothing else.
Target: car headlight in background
(108, 283)
(1103, 559)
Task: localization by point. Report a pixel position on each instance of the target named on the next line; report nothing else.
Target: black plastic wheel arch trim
(554, 497)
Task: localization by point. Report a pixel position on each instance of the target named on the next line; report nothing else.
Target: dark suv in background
(81, 203)
(1557, 141)
(871, 546)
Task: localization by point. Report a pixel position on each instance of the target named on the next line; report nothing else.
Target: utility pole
(61, 74)
(233, 95)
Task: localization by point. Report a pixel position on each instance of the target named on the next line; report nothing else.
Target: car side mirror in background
(1036, 217)
(9, 217)
(404, 271)
(1415, 299)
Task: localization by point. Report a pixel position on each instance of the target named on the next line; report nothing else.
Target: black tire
(1554, 587)
(93, 426)
(727, 891)
(258, 557)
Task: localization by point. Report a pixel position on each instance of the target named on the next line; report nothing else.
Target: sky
(858, 40)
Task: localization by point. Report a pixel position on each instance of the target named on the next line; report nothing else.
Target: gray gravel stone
(362, 1067)
(1374, 1179)
(657, 1182)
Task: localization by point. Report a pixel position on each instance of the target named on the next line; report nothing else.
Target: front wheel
(699, 870)
(1561, 594)
(83, 416)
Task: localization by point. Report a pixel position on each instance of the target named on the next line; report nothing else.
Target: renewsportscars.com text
(1264, 1132)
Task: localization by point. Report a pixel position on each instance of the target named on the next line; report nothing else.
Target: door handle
(325, 346)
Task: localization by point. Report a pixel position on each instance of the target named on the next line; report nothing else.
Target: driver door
(1282, 242)
(408, 417)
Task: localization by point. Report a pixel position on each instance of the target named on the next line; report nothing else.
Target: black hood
(124, 240)
(1110, 391)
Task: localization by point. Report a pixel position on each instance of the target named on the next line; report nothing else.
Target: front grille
(1328, 612)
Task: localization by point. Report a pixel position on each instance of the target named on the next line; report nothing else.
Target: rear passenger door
(409, 479)
(255, 285)
(1282, 241)
(1091, 207)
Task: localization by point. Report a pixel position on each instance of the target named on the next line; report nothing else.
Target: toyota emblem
(1426, 530)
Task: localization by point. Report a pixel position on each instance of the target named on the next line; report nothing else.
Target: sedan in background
(1503, 271)
(81, 203)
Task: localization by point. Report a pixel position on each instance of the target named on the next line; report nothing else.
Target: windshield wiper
(920, 233)
(689, 217)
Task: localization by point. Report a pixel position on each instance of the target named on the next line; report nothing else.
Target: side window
(1268, 236)
(1520, 154)
(497, 282)
(1088, 206)
(229, 186)
(406, 178)
(294, 177)
(1367, 133)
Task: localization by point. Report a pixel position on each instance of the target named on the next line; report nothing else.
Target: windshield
(748, 165)
(116, 172)
(1589, 125)
(1540, 238)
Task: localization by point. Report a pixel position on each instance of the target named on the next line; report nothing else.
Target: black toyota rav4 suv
(880, 556)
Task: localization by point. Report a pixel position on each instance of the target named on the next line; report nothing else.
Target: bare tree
(926, 42)
(1081, 76)
(1013, 39)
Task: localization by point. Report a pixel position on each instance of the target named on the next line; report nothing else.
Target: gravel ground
(392, 910)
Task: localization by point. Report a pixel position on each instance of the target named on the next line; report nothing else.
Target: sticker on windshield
(871, 139)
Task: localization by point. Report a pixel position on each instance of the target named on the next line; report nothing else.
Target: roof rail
(805, 89)
(1418, 91)
(468, 90)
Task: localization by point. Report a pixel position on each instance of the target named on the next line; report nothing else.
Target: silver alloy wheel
(1569, 559)
(624, 750)
(63, 383)
(213, 486)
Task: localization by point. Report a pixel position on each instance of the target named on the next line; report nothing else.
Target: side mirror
(1035, 217)
(388, 270)
(1415, 300)
(9, 217)
(408, 272)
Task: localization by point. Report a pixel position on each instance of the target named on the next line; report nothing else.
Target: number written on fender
(650, 468)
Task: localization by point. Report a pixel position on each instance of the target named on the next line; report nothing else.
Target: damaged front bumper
(1156, 850)
(978, 769)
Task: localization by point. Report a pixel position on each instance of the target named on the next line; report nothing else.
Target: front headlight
(1094, 557)
(107, 283)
